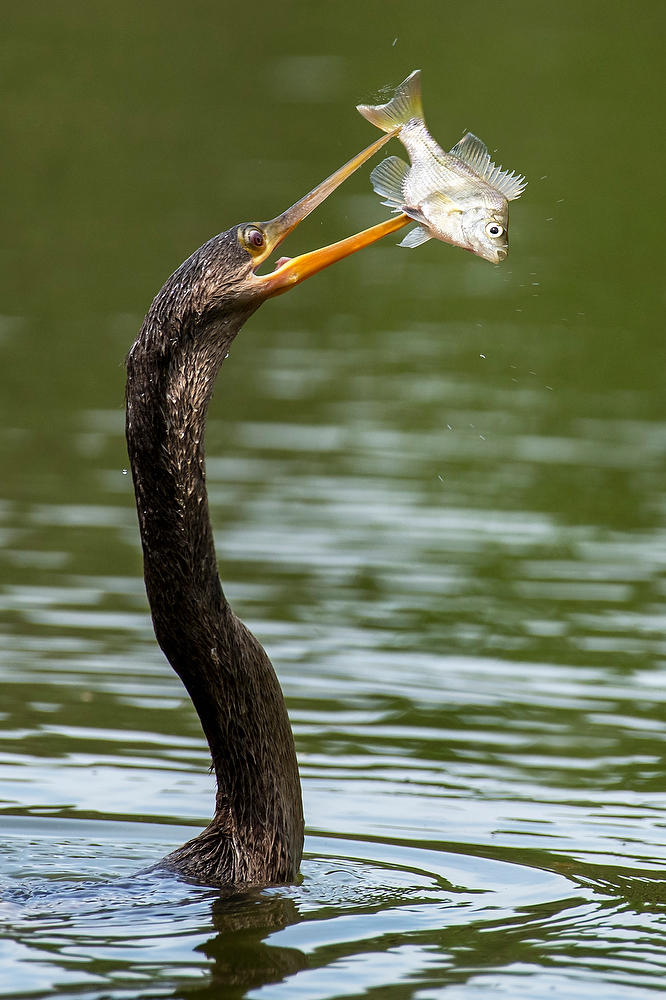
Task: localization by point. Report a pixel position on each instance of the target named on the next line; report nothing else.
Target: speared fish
(460, 197)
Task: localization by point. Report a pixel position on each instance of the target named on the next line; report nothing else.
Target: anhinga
(256, 834)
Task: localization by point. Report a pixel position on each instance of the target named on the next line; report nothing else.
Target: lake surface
(439, 495)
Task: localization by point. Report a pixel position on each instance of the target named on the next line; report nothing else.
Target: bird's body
(256, 835)
(257, 832)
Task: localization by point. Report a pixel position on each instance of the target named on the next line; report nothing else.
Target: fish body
(459, 197)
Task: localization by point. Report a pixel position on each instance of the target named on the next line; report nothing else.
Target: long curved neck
(256, 835)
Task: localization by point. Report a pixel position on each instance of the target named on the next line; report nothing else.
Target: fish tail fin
(403, 106)
(387, 181)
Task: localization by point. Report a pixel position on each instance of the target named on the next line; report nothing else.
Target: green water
(439, 493)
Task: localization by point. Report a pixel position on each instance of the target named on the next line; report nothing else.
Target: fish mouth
(290, 271)
(494, 255)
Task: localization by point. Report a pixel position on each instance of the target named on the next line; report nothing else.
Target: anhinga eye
(254, 238)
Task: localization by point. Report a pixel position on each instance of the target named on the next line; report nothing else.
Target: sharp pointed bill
(261, 239)
(460, 197)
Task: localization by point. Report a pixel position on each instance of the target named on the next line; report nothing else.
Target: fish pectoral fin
(416, 237)
(387, 180)
(475, 154)
(438, 202)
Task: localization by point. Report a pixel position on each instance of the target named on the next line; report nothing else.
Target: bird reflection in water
(239, 953)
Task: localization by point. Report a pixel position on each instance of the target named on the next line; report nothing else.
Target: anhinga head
(228, 264)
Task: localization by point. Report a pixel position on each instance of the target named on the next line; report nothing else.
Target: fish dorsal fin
(415, 237)
(475, 154)
(403, 106)
(387, 180)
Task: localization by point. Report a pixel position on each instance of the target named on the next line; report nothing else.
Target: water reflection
(463, 595)
(384, 914)
(240, 954)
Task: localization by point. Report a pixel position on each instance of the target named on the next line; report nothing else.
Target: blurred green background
(132, 132)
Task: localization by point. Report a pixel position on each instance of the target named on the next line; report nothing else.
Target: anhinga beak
(293, 270)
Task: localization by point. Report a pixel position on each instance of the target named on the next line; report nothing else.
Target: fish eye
(494, 229)
(254, 238)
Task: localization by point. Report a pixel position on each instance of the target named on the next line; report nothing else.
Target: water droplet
(124, 472)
